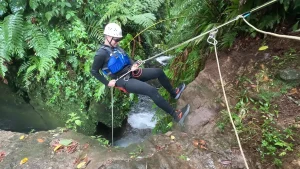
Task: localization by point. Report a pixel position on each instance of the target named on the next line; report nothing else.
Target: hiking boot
(179, 90)
(179, 115)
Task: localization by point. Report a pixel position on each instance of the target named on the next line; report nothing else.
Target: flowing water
(140, 119)
(140, 123)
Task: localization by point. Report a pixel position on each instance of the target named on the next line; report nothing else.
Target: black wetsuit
(137, 80)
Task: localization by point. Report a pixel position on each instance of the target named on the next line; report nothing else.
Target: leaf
(23, 161)
(68, 16)
(282, 154)
(48, 15)
(57, 147)
(65, 142)
(266, 78)
(203, 147)
(295, 27)
(226, 162)
(293, 91)
(40, 140)
(78, 122)
(263, 48)
(202, 142)
(33, 4)
(68, 4)
(81, 165)
(172, 137)
(22, 137)
(195, 143)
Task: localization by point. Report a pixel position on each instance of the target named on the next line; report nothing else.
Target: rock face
(198, 144)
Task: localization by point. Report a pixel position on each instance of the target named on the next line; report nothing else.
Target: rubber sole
(181, 90)
(186, 112)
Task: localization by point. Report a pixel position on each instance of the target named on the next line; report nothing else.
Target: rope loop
(139, 62)
(212, 37)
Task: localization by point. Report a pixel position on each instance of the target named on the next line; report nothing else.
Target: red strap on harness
(137, 73)
(122, 89)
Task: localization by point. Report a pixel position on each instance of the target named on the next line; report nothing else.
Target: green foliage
(164, 123)
(45, 52)
(138, 151)
(11, 37)
(3, 7)
(17, 5)
(183, 157)
(73, 122)
(53, 43)
(101, 140)
(139, 12)
(256, 119)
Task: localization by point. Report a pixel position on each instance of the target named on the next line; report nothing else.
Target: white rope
(262, 6)
(112, 115)
(185, 42)
(214, 42)
(269, 33)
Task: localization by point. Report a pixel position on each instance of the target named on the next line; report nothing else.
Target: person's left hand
(134, 67)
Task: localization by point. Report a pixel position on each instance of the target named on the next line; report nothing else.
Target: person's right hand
(111, 83)
(134, 67)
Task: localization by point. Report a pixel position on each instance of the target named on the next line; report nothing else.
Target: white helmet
(113, 30)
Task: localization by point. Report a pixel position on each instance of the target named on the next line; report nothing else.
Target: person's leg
(139, 87)
(146, 74)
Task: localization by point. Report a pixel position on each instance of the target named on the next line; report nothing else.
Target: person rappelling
(113, 61)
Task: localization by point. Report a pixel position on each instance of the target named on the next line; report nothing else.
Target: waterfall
(140, 123)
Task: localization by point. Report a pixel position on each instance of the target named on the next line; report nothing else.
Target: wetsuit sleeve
(131, 61)
(99, 61)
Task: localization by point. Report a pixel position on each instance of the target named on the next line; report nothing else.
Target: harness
(117, 60)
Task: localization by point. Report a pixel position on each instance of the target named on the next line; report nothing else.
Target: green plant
(101, 140)
(183, 157)
(223, 120)
(73, 122)
(32, 131)
(138, 151)
(164, 123)
(11, 37)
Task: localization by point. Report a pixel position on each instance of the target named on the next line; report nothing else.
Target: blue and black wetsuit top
(101, 60)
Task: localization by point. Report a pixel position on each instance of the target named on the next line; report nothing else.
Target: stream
(139, 123)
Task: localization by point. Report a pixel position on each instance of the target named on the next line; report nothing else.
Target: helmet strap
(109, 41)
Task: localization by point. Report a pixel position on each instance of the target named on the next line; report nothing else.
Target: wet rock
(289, 74)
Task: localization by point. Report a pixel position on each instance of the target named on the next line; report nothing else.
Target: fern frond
(3, 68)
(12, 29)
(95, 30)
(229, 38)
(30, 70)
(44, 65)
(269, 21)
(23, 68)
(15, 26)
(151, 5)
(145, 20)
(112, 10)
(46, 50)
(11, 38)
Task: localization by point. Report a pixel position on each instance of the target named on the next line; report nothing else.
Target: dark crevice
(106, 132)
